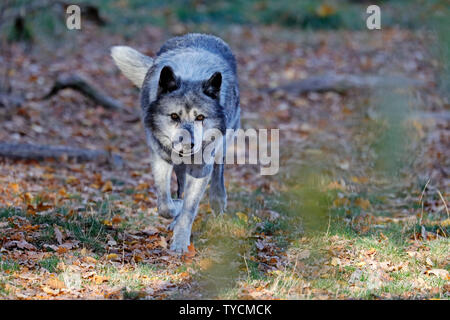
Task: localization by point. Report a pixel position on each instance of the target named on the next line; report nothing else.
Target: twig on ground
(81, 85)
(445, 203)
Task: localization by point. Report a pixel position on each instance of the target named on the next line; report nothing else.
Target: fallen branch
(41, 152)
(344, 82)
(77, 83)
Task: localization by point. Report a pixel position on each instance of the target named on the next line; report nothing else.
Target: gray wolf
(190, 86)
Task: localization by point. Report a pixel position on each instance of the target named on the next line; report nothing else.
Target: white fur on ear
(133, 64)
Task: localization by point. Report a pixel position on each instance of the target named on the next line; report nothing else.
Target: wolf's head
(183, 110)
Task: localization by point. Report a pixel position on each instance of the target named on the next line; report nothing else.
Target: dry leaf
(116, 219)
(58, 234)
(112, 256)
(14, 187)
(50, 291)
(304, 254)
(107, 187)
(100, 279)
(191, 251)
(55, 283)
(163, 242)
(61, 250)
(362, 203)
(441, 273)
(150, 230)
(335, 261)
(89, 259)
(242, 216)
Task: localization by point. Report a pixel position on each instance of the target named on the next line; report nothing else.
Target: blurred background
(359, 208)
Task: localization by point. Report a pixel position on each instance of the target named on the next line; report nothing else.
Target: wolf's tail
(133, 64)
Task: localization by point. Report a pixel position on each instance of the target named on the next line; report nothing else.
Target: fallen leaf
(242, 216)
(19, 244)
(50, 291)
(58, 234)
(116, 219)
(100, 279)
(341, 202)
(335, 261)
(441, 273)
(150, 230)
(191, 251)
(55, 283)
(304, 254)
(112, 256)
(89, 259)
(335, 185)
(163, 242)
(61, 250)
(14, 187)
(107, 187)
(362, 203)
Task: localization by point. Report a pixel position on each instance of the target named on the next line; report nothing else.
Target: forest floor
(357, 210)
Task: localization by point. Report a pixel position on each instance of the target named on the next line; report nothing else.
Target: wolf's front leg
(217, 192)
(180, 171)
(162, 171)
(197, 178)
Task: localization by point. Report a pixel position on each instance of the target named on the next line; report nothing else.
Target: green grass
(9, 266)
(85, 226)
(50, 263)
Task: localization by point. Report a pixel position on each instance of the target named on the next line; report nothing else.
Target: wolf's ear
(133, 64)
(211, 87)
(167, 81)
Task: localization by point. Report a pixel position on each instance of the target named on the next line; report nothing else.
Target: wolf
(190, 86)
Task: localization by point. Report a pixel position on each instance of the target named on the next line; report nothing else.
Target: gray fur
(194, 60)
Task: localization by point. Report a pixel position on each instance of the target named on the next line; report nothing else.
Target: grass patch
(87, 226)
(9, 266)
(50, 264)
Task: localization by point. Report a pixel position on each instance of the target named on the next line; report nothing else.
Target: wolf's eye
(200, 117)
(174, 116)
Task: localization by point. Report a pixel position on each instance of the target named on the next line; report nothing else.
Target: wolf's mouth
(192, 152)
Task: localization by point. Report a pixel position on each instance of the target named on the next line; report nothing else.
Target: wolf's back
(206, 42)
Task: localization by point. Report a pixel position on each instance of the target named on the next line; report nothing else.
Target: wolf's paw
(171, 209)
(218, 204)
(180, 241)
